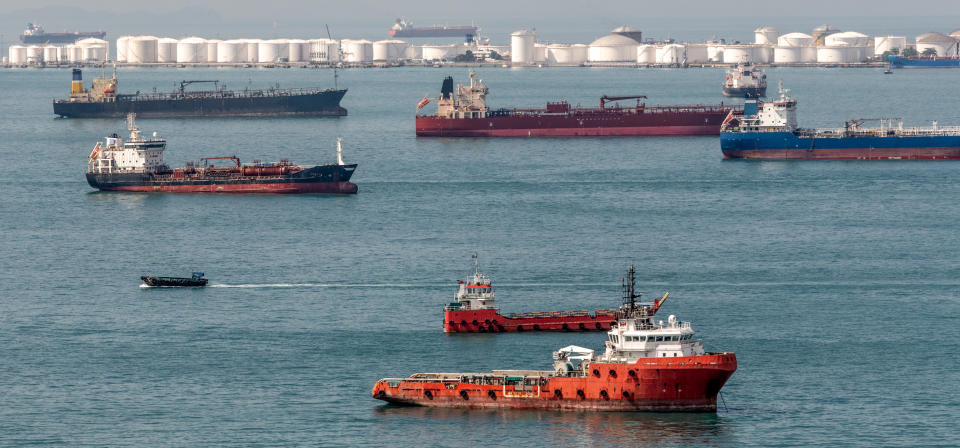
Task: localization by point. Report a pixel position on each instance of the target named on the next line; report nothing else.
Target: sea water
(835, 282)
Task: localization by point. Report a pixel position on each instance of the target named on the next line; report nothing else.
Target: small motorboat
(183, 282)
(888, 72)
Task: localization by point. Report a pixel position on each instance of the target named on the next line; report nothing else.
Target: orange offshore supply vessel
(474, 311)
(647, 366)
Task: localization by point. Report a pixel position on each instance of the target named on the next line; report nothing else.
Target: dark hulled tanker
(104, 101)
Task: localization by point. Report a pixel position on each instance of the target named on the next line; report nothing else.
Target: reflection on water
(554, 428)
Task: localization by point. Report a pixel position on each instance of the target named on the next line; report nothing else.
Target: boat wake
(323, 285)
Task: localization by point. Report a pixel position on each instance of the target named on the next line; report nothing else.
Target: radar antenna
(630, 295)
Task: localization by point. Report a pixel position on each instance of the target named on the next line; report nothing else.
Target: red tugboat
(647, 366)
(474, 311)
(465, 114)
(137, 165)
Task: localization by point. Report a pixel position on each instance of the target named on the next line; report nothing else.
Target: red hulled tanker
(647, 366)
(474, 311)
(464, 113)
(136, 165)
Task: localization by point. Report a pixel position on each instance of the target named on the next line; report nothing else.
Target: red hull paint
(625, 131)
(489, 321)
(284, 188)
(683, 384)
(847, 154)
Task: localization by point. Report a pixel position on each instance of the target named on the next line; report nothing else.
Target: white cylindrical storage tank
(358, 51)
(166, 50)
(192, 49)
(283, 48)
(696, 53)
(613, 48)
(122, 46)
(94, 53)
(735, 54)
(669, 54)
(522, 46)
(846, 39)
(763, 54)
(646, 54)
(253, 50)
(398, 49)
(50, 54)
(74, 53)
(62, 55)
(231, 51)
(795, 40)
(381, 51)
(766, 35)
(323, 50)
(18, 55)
(436, 52)
(142, 50)
(883, 44)
(786, 55)
(808, 54)
(943, 45)
(268, 51)
(296, 51)
(539, 53)
(715, 53)
(566, 54)
(213, 46)
(836, 54)
(413, 52)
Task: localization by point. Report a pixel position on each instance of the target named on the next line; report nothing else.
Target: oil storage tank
(268, 51)
(213, 46)
(522, 46)
(357, 51)
(50, 54)
(191, 50)
(166, 50)
(765, 35)
(893, 44)
(613, 48)
(121, 48)
(795, 40)
(735, 54)
(560, 54)
(18, 55)
(646, 54)
(670, 54)
(943, 45)
(142, 50)
(231, 51)
(296, 52)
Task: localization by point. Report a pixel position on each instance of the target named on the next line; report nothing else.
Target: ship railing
(246, 93)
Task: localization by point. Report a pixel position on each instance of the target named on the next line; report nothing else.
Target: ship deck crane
(605, 98)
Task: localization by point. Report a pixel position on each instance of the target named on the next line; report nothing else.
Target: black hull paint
(320, 103)
(745, 92)
(312, 178)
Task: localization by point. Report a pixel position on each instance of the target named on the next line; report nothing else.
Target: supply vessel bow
(769, 130)
(474, 311)
(137, 165)
(646, 366)
(103, 100)
(464, 113)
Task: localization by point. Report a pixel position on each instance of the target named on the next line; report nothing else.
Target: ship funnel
(77, 86)
(339, 151)
(446, 90)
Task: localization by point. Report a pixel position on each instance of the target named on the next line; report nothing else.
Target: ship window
(659, 338)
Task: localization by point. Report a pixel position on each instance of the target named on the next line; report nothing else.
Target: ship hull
(786, 145)
(902, 62)
(171, 282)
(434, 32)
(321, 103)
(490, 321)
(745, 92)
(60, 38)
(330, 179)
(683, 384)
(599, 125)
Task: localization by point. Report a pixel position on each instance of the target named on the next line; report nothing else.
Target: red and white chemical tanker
(474, 311)
(464, 113)
(647, 366)
(137, 165)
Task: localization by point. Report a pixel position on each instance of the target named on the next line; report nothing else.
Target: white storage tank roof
(795, 40)
(766, 35)
(847, 38)
(944, 45)
(613, 48)
(935, 37)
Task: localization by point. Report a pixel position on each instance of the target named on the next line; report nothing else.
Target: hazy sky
(556, 20)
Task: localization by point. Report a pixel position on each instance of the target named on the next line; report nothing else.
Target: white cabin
(136, 155)
(468, 102)
(476, 293)
(772, 116)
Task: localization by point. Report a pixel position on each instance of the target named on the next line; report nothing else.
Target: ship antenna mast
(339, 57)
(476, 265)
(629, 293)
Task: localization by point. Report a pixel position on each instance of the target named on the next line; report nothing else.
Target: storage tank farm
(894, 44)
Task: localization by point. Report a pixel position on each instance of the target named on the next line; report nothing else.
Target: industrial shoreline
(495, 64)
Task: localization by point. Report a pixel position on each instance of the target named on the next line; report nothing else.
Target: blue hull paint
(787, 145)
(902, 62)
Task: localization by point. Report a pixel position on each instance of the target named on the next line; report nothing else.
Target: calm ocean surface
(836, 283)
